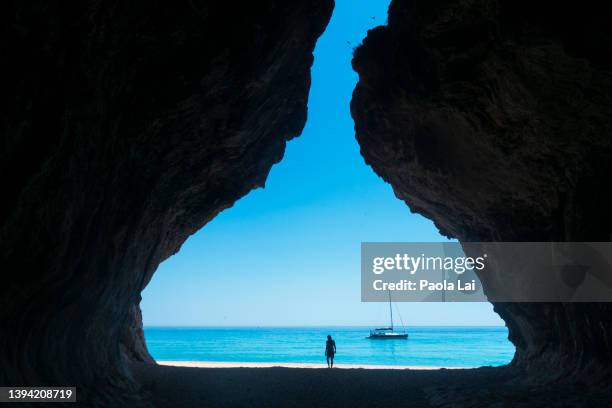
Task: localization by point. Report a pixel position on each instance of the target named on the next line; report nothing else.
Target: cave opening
(287, 256)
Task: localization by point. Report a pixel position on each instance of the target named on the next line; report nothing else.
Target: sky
(289, 254)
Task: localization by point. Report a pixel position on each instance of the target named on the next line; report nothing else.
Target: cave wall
(127, 126)
(493, 118)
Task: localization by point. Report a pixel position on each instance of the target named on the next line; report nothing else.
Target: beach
(227, 387)
(234, 364)
(219, 385)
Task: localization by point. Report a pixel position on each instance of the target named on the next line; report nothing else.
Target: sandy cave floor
(172, 386)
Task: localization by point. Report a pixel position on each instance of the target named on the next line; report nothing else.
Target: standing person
(330, 350)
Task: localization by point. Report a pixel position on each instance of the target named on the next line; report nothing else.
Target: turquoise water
(426, 346)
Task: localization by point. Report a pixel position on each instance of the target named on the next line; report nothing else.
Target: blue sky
(289, 254)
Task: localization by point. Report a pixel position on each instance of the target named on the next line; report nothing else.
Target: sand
(228, 387)
(223, 364)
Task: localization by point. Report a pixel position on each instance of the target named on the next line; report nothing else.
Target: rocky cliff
(127, 126)
(493, 119)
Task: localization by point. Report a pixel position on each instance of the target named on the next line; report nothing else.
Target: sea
(425, 346)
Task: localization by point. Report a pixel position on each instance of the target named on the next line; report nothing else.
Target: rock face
(127, 126)
(493, 118)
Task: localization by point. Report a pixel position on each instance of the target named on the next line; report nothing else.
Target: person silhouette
(330, 351)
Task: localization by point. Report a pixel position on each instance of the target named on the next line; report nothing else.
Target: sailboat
(388, 333)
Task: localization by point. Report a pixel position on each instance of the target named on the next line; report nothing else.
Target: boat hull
(394, 336)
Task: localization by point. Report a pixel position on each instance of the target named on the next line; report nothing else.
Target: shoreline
(238, 364)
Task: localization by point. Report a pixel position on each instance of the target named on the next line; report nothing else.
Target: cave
(128, 127)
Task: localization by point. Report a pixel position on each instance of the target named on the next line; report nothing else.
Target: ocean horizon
(427, 346)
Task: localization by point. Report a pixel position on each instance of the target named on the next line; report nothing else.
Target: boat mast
(390, 309)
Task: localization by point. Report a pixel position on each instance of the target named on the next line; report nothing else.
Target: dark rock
(493, 119)
(132, 342)
(127, 126)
